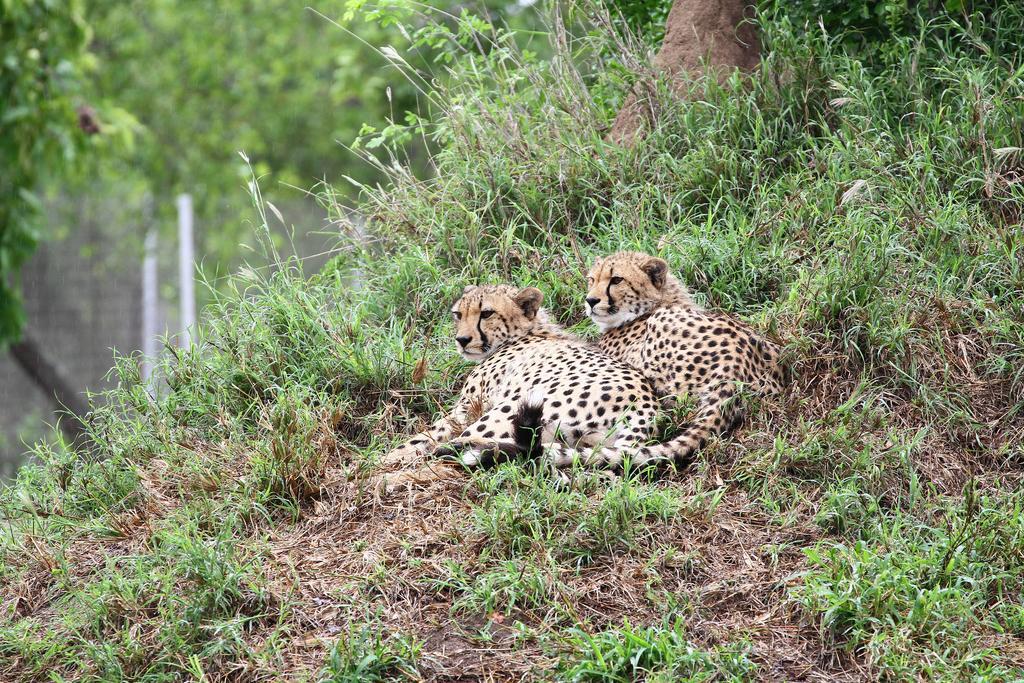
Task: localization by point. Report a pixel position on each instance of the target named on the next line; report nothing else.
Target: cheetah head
(489, 316)
(627, 285)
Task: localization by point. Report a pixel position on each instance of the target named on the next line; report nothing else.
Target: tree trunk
(697, 32)
(31, 358)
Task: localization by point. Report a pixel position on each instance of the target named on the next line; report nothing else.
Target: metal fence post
(186, 259)
(150, 311)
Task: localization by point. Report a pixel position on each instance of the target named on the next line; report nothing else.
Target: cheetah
(648, 320)
(537, 391)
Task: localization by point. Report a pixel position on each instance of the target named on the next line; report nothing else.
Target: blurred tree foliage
(871, 26)
(174, 91)
(188, 86)
(42, 125)
(181, 88)
(185, 87)
(646, 18)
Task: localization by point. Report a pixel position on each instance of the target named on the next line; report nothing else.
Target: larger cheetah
(537, 385)
(649, 321)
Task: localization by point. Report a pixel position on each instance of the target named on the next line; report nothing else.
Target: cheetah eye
(486, 314)
(616, 280)
(456, 315)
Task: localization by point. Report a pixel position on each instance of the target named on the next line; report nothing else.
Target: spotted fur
(649, 321)
(538, 385)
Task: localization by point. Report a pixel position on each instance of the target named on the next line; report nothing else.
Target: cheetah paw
(403, 455)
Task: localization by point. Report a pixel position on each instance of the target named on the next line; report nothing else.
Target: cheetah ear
(468, 288)
(529, 300)
(657, 270)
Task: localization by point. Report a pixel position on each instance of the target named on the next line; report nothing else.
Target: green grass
(659, 653)
(366, 654)
(909, 590)
(865, 212)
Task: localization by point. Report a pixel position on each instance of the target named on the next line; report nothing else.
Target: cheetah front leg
(507, 432)
(487, 442)
(440, 432)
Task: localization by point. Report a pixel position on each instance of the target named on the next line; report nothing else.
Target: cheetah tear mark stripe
(479, 328)
(608, 292)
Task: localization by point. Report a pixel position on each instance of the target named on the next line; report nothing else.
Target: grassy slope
(866, 525)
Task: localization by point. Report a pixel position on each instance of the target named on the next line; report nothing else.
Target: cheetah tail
(719, 413)
(527, 424)
(680, 450)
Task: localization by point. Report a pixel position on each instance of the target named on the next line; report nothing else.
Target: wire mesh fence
(86, 297)
(80, 306)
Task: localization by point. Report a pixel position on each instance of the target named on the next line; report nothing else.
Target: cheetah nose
(593, 301)
(463, 341)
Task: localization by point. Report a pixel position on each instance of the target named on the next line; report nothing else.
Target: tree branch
(53, 381)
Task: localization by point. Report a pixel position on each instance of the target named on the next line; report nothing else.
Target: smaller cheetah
(534, 379)
(649, 321)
